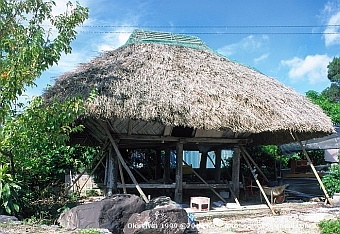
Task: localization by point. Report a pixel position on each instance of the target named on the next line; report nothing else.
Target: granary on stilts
(167, 91)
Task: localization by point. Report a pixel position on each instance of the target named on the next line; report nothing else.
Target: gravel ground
(292, 218)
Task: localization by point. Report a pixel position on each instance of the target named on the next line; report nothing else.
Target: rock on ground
(110, 213)
(162, 216)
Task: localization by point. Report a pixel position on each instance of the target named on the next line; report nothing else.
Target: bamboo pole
(258, 183)
(227, 183)
(211, 188)
(250, 158)
(313, 169)
(120, 157)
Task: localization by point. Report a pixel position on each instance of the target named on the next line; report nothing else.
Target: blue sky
(254, 33)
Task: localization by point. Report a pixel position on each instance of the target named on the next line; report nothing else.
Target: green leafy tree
(33, 143)
(332, 109)
(334, 71)
(27, 47)
(333, 92)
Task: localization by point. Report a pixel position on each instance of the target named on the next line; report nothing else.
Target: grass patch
(329, 226)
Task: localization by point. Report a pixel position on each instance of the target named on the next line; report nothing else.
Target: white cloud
(113, 40)
(313, 67)
(332, 36)
(262, 57)
(250, 44)
(330, 15)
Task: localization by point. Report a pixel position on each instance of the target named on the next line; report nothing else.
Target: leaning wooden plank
(120, 157)
(313, 169)
(250, 158)
(211, 188)
(258, 183)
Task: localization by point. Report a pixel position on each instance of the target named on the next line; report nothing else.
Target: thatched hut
(164, 90)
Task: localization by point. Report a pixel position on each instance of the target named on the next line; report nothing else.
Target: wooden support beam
(253, 162)
(166, 176)
(158, 169)
(203, 164)
(258, 183)
(115, 174)
(121, 176)
(110, 173)
(198, 140)
(235, 177)
(218, 155)
(179, 173)
(124, 164)
(313, 169)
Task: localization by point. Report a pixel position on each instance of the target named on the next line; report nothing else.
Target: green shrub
(89, 231)
(331, 181)
(329, 226)
(8, 192)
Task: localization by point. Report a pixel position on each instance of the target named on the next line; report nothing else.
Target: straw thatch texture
(179, 86)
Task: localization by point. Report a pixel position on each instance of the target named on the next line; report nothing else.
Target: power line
(210, 26)
(225, 33)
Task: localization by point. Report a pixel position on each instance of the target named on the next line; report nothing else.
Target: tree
(333, 92)
(27, 47)
(332, 109)
(334, 71)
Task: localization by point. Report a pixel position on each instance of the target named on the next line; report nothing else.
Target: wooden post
(157, 163)
(115, 174)
(313, 169)
(166, 176)
(217, 165)
(235, 177)
(203, 164)
(121, 175)
(124, 164)
(179, 173)
(110, 171)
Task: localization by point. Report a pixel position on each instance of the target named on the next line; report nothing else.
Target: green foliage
(331, 181)
(28, 46)
(332, 93)
(8, 192)
(34, 144)
(329, 226)
(89, 231)
(334, 71)
(91, 193)
(266, 157)
(330, 108)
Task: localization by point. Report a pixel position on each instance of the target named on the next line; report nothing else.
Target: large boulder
(110, 213)
(162, 216)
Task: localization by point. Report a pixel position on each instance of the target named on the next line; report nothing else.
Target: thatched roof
(173, 82)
